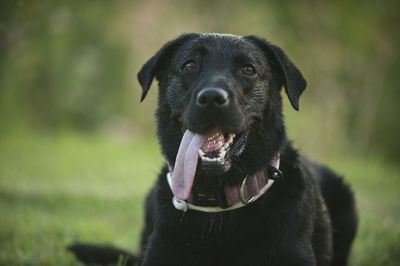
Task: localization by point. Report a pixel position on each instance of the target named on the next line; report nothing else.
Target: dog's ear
(158, 62)
(288, 74)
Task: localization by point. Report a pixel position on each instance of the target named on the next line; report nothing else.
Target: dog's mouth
(215, 148)
(209, 152)
(219, 148)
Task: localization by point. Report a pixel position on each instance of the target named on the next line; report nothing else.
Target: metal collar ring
(242, 199)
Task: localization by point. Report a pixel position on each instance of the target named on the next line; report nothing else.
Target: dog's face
(219, 104)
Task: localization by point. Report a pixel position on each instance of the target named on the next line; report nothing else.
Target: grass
(377, 189)
(55, 189)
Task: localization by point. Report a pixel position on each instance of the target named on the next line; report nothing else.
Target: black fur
(308, 218)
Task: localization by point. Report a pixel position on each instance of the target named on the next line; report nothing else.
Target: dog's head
(220, 104)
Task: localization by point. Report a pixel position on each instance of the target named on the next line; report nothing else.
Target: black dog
(234, 191)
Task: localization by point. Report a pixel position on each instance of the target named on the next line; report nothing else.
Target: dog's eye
(189, 66)
(248, 70)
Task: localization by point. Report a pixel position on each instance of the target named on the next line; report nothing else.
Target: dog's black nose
(212, 97)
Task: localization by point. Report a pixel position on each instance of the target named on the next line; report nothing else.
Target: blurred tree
(61, 65)
(74, 62)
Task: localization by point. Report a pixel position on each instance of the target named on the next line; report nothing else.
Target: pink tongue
(186, 164)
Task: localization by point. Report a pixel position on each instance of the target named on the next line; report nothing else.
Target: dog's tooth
(222, 155)
(230, 138)
(201, 153)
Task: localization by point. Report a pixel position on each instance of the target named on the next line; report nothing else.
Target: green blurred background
(78, 152)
